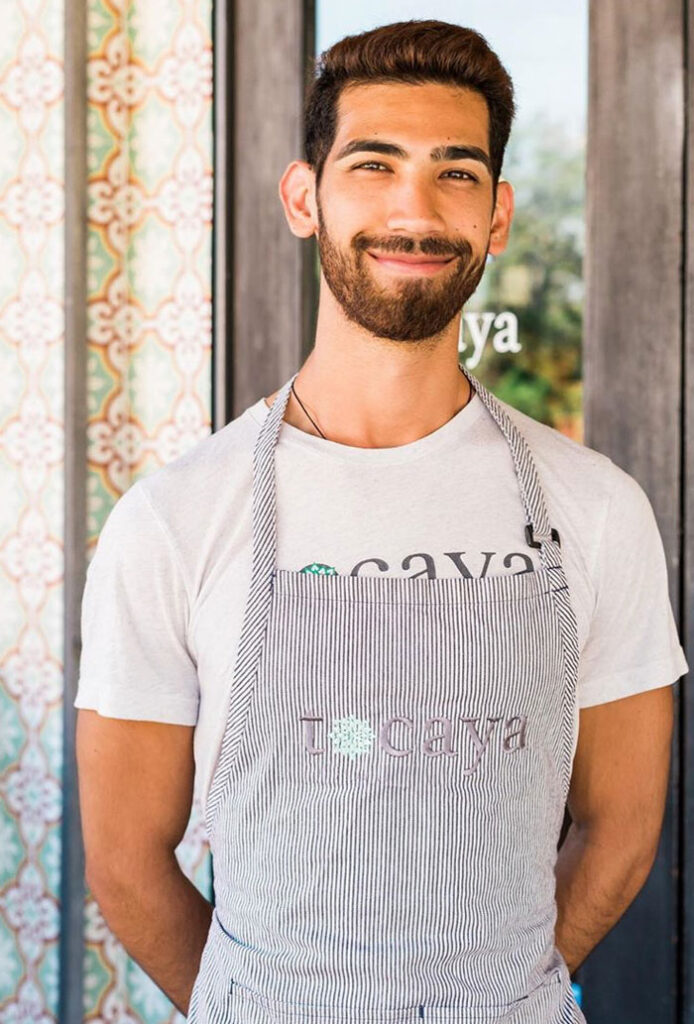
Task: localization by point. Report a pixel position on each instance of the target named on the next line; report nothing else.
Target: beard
(410, 309)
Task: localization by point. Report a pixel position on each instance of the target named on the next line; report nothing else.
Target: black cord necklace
(308, 414)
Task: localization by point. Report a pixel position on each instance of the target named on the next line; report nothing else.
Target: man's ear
(502, 217)
(297, 192)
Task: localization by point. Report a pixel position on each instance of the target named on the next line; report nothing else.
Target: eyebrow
(438, 153)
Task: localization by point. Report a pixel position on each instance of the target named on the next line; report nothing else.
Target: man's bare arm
(617, 802)
(136, 789)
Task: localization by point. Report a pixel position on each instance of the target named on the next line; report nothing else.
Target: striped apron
(385, 809)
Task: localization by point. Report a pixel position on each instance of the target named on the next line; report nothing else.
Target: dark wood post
(633, 387)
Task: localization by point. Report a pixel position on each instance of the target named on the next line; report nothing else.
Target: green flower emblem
(352, 736)
(319, 569)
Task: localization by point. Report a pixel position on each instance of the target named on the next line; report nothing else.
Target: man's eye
(471, 176)
(378, 164)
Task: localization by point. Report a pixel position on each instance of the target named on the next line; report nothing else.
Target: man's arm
(617, 801)
(136, 790)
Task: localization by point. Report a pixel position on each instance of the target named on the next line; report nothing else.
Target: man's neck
(370, 392)
(362, 417)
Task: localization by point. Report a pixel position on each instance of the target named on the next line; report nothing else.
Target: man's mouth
(407, 263)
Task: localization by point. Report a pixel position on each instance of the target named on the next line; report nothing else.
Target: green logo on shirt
(319, 569)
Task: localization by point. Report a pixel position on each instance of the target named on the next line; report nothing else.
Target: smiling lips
(406, 263)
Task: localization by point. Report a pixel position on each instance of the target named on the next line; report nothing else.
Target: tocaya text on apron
(385, 809)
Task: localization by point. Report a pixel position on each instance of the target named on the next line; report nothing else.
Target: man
(394, 624)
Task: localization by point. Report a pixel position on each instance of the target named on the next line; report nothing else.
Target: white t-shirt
(167, 585)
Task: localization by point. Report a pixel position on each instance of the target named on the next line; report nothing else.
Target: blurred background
(150, 290)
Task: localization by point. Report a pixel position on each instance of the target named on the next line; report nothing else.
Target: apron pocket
(537, 1007)
(209, 996)
(250, 1007)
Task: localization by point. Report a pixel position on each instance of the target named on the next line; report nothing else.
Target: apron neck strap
(538, 531)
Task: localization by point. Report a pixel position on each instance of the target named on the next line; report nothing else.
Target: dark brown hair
(408, 51)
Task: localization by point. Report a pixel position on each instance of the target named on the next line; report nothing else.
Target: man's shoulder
(563, 455)
(211, 466)
(590, 498)
(195, 502)
(585, 488)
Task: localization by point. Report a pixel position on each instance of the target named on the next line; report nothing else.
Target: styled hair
(414, 51)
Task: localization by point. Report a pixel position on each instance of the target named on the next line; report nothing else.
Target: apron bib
(386, 805)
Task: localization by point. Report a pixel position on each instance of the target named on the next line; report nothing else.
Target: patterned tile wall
(148, 344)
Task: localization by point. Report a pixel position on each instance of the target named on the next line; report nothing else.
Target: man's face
(430, 215)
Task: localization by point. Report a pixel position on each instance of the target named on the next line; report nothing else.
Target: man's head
(405, 131)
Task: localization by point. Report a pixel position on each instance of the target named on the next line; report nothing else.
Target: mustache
(427, 246)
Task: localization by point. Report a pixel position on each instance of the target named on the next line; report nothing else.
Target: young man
(372, 612)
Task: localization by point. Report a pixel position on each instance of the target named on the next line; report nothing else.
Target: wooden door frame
(265, 290)
(633, 373)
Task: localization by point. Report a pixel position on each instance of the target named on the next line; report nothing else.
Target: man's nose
(413, 209)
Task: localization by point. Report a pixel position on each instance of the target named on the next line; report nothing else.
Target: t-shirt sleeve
(134, 661)
(633, 643)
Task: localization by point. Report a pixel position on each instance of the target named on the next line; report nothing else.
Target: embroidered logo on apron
(352, 737)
